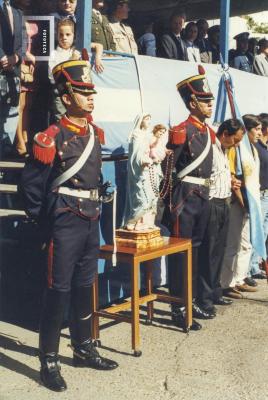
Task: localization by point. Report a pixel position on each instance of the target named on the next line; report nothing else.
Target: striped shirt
(220, 187)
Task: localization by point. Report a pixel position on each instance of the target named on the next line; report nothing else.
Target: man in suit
(101, 31)
(171, 44)
(260, 64)
(11, 28)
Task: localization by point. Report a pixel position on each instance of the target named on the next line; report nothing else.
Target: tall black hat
(196, 85)
(74, 74)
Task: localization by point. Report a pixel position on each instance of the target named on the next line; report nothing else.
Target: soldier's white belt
(198, 181)
(92, 194)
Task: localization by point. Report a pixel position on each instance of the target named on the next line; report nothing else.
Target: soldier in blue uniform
(191, 142)
(240, 58)
(61, 189)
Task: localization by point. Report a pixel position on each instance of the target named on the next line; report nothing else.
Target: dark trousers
(211, 252)
(191, 224)
(72, 265)
(73, 252)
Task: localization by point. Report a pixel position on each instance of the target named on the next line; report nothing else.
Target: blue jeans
(254, 262)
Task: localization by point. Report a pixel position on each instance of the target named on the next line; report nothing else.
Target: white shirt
(192, 51)
(58, 56)
(221, 174)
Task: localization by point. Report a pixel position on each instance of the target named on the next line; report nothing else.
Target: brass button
(65, 143)
(60, 153)
(80, 200)
(192, 154)
(76, 180)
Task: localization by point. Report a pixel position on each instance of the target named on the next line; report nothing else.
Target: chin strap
(73, 96)
(193, 96)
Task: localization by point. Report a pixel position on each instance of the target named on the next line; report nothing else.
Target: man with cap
(122, 33)
(239, 58)
(191, 142)
(260, 63)
(61, 188)
(101, 31)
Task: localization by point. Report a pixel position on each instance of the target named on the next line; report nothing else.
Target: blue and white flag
(248, 165)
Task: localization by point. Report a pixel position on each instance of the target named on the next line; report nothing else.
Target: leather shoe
(233, 293)
(179, 320)
(86, 355)
(198, 312)
(250, 281)
(50, 373)
(260, 275)
(245, 288)
(223, 302)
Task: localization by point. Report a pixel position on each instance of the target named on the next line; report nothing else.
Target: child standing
(66, 51)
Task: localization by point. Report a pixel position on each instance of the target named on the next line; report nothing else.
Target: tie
(8, 11)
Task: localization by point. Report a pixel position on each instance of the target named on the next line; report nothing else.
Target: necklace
(167, 180)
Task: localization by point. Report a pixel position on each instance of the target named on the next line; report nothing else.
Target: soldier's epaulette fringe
(177, 134)
(44, 146)
(212, 135)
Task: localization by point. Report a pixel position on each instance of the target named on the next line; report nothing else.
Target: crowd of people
(194, 41)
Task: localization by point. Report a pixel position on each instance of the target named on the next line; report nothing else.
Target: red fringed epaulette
(212, 135)
(44, 147)
(177, 134)
(99, 131)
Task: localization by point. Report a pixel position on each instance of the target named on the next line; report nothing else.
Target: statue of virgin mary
(141, 198)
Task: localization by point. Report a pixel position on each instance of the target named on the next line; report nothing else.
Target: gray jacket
(260, 65)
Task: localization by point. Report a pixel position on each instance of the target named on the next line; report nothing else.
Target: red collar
(75, 128)
(202, 127)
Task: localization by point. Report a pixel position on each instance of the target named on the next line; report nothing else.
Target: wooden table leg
(135, 324)
(149, 287)
(95, 307)
(188, 292)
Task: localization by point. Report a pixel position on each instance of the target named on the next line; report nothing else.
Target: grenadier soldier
(122, 33)
(61, 186)
(191, 142)
(100, 28)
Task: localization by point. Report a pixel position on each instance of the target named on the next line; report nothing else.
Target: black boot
(86, 355)
(49, 338)
(85, 352)
(50, 373)
(178, 316)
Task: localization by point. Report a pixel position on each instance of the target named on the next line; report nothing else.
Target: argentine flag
(248, 165)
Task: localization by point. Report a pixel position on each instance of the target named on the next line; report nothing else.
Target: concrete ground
(226, 360)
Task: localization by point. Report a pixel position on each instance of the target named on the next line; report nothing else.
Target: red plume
(201, 70)
(85, 55)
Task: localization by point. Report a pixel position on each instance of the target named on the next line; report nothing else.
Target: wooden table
(134, 257)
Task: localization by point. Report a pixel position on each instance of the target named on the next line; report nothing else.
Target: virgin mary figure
(141, 198)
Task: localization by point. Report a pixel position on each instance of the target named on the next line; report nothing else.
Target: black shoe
(179, 320)
(250, 281)
(209, 309)
(86, 355)
(198, 312)
(260, 275)
(50, 373)
(223, 302)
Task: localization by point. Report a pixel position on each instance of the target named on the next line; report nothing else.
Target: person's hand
(98, 66)
(10, 62)
(235, 183)
(4, 62)
(30, 57)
